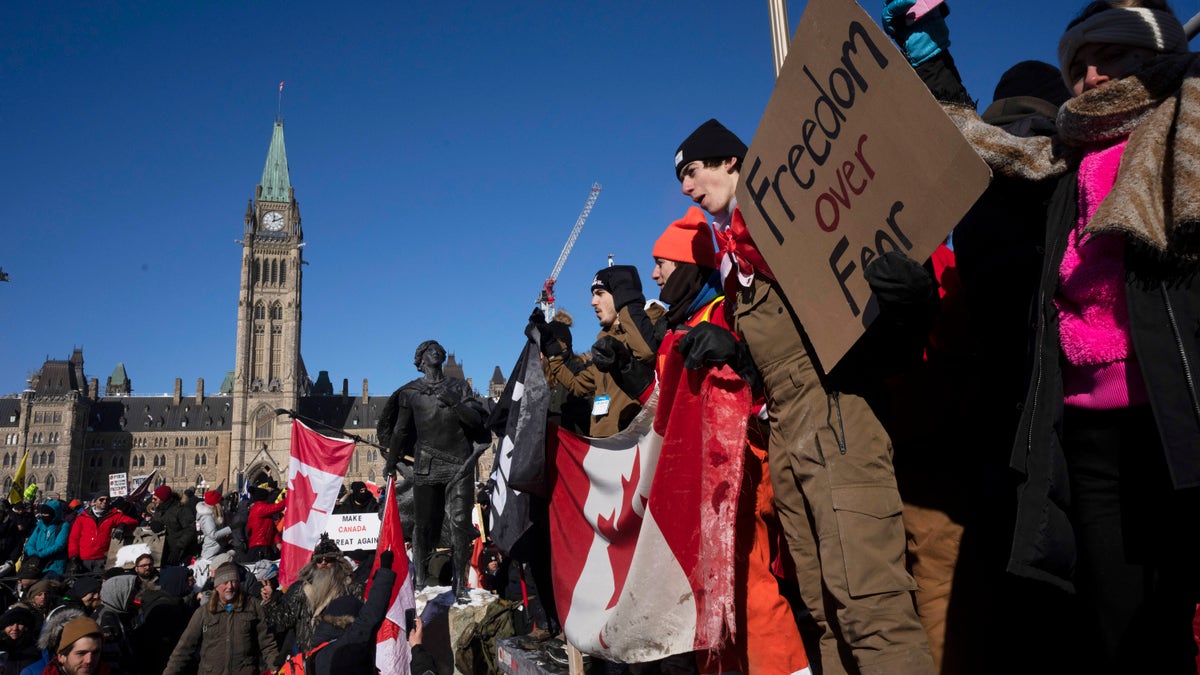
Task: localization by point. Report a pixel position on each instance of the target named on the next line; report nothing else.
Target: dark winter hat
(79, 627)
(326, 548)
(1033, 78)
(163, 493)
(18, 614)
(614, 278)
(83, 586)
(710, 140)
(343, 605)
(358, 485)
(226, 572)
(99, 494)
(424, 347)
(45, 510)
(31, 568)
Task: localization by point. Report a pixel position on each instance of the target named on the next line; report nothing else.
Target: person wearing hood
(48, 638)
(344, 635)
(178, 522)
(83, 594)
(49, 540)
(116, 619)
(211, 518)
(92, 531)
(18, 635)
(161, 619)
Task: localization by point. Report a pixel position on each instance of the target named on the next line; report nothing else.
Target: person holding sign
(1108, 446)
(829, 457)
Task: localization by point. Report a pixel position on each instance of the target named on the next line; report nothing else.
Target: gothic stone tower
(269, 373)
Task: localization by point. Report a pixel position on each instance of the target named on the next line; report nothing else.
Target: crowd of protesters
(1002, 475)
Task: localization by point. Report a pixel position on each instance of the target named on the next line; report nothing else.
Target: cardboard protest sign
(852, 158)
(353, 531)
(118, 484)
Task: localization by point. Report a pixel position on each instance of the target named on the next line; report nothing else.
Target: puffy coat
(50, 539)
(260, 527)
(233, 641)
(179, 521)
(214, 537)
(90, 534)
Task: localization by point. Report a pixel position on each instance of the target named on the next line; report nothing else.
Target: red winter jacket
(90, 534)
(260, 527)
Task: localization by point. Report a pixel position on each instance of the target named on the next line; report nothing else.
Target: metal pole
(779, 31)
(1192, 27)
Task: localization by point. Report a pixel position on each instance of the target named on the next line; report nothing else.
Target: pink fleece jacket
(1101, 370)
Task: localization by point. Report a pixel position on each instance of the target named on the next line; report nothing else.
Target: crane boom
(547, 298)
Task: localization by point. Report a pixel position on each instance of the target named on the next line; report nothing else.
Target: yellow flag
(17, 494)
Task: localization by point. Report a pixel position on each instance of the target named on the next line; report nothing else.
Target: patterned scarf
(1156, 199)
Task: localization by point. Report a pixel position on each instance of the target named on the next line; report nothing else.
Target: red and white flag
(642, 522)
(281, 86)
(315, 475)
(392, 653)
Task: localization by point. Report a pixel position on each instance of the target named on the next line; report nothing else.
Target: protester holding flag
(830, 458)
(624, 319)
(764, 637)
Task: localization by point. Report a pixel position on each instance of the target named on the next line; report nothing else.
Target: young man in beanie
(830, 458)
(92, 531)
(79, 650)
(228, 635)
(178, 521)
(628, 326)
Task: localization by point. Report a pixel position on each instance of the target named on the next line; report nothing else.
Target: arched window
(7, 484)
(197, 462)
(260, 312)
(277, 312)
(283, 272)
(49, 482)
(203, 460)
(274, 271)
(43, 457)
(253, 271)
(51, 456)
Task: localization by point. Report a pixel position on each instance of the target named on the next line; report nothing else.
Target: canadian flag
(315, 474)
(642, 522)
(392, 653)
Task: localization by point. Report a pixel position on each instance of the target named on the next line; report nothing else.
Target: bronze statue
(437, 421)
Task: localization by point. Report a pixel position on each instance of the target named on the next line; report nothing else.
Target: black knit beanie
(1032, 78)
(710, 140)
(617, 277)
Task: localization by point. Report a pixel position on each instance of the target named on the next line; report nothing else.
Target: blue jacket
(49, 540)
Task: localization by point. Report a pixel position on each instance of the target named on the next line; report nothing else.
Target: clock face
(273, 221)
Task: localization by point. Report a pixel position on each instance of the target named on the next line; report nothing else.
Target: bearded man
(326, 576)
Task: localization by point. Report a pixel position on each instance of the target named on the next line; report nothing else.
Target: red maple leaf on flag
(302, 493)
(619, 555)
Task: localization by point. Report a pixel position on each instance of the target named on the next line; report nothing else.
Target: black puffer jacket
(179, 521)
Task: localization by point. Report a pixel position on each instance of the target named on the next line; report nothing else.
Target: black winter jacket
(1164, 320)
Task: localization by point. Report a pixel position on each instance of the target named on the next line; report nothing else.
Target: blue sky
(440, 154)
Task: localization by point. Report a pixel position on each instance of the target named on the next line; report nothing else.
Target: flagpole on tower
(279, 105)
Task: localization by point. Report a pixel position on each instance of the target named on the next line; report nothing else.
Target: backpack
(476, 648)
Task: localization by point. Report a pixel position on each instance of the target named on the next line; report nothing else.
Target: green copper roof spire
(276, 183)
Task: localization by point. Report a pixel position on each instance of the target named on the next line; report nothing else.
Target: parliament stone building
(77, 435)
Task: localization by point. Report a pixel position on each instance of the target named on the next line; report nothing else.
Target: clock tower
(269, 372)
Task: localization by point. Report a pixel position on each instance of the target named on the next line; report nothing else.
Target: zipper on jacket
(840, 432)
(1187, 368)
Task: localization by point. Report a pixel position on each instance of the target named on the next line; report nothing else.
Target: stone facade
(74, 438)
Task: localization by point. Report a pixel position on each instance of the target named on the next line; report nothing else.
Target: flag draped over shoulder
(17, 494)
(642, 523)
(393, 656)
(315, 474)
(520, 420)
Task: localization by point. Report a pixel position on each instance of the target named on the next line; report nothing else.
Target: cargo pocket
(422, 465)
(872, 533)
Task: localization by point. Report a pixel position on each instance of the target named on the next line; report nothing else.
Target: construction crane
(546, 300)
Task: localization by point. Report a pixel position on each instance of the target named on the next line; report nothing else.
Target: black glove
(385, 560)
(625, 286)
(899, 281)
(709, 345)
(609, 354)
(633, 378)
(118, 534)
